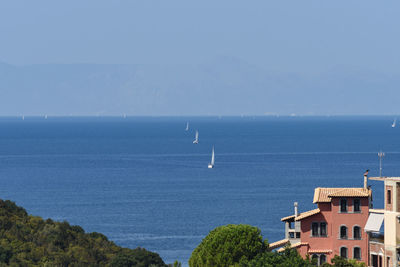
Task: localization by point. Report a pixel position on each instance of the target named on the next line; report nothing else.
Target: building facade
(335, 227)
(383, 226)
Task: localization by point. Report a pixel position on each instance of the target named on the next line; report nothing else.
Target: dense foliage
(342, 262)
(242, 246)
(27, 240)
(228, 245)
(287, 258)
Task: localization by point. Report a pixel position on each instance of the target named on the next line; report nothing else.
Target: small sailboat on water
(187, 126)
(394, 123)
(196, 140)
(211, 164)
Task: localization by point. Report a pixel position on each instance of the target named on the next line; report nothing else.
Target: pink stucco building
(335, 227)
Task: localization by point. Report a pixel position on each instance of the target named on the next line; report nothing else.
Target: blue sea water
(142, 182)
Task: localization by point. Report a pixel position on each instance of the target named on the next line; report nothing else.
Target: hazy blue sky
(280, 35)
(354, 42)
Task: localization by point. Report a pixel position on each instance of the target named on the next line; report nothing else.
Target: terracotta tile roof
(295, 246)
(351, 192)
(301, 215)
(278, 244)
(287, 218)
(320, 251)
(326, 194)
(307, 214)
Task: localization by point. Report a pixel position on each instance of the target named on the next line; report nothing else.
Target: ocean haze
(223, 86)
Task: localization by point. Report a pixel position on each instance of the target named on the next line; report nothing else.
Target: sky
(286, 36)
(280, 35)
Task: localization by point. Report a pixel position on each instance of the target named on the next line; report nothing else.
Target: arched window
(343, 205)
(357, 253)
(343, 232)
(322, 259)
(343, 252)
(356, 232)
(314, 258)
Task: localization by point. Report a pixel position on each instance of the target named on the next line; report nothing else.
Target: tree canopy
(27, 240)
(228, 245)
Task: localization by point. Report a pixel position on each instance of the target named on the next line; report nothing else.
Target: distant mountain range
(225, 86)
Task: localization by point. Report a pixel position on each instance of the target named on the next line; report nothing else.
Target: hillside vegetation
(27, 240)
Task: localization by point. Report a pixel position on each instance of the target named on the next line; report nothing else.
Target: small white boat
(23, 117)
(187, 127)
(394, 123)
(45, 117)
(196, 140)
(211, 164)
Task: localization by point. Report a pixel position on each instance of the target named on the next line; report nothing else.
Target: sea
(143, 183)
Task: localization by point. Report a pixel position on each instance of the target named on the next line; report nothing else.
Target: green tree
(287, 258)
(338, 261)
(138, 257)
(228, 246)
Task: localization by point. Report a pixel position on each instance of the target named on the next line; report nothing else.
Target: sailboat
(196, 140)
(45, 117)
(187, 126)
(211, 164)
(394, 123)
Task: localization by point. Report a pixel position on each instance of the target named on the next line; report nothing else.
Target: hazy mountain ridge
(225, 86)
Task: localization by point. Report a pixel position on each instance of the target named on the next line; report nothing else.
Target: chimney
(366, 179)
(296, 213)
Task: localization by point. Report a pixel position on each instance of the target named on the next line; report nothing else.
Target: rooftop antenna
(380, 155)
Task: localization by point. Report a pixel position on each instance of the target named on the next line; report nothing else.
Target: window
(322, 259)
(297, 234)
(322, 229)
(356, 232)
(389, 197)
(343, 205)
(356, 205)
(357, 253)
(343, 232)
(314, 258)
(375, 260)
(314, 229)
(343, 252)
(291, 234)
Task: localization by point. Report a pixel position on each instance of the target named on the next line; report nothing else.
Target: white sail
(211, 165)
(196, 140)
(394, 123)
(212, 157)
(187, 127)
